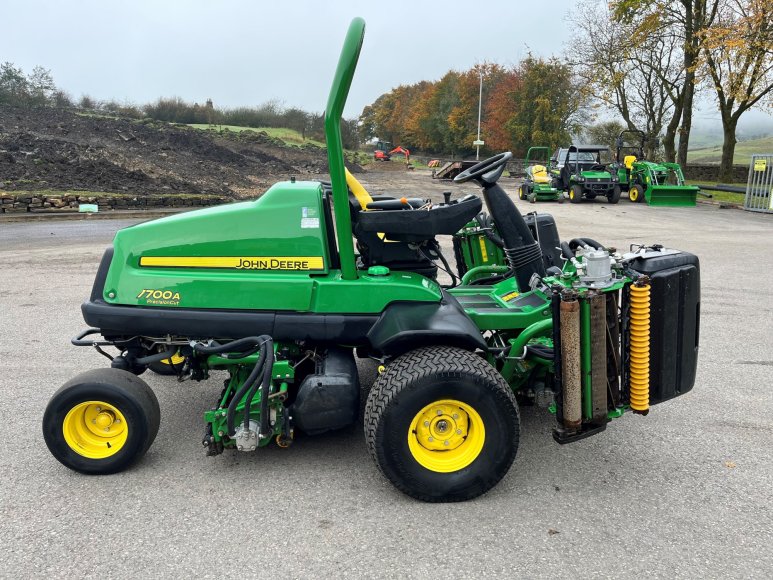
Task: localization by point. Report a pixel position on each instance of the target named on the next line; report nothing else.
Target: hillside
(743, 151)
(53, 149)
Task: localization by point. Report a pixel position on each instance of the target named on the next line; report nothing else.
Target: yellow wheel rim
(633, 194)
(95, 429)
(571, 194)
(446, 436)
(175, 359)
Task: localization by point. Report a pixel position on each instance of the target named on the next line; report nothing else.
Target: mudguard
(404, 326)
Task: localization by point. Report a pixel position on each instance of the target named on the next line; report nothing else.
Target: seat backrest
(629, 160)
(538, 173)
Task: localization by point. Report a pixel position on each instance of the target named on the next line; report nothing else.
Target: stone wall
(24, 203)
(709, 172)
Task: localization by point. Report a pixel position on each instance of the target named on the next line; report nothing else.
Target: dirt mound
(60, 150)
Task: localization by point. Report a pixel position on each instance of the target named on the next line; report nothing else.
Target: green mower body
(285, 293)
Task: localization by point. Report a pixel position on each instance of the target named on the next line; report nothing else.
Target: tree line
(641, 62)
(37, 89)
(535, 102)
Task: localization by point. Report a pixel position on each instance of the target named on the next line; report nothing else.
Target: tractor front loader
(659, 184)
(284, 292)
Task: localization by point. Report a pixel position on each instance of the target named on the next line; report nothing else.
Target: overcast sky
(238, 52)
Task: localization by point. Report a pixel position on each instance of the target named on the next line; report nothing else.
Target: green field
(289, 136)
(743, 151)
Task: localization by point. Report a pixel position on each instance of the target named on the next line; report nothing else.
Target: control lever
(447, 197)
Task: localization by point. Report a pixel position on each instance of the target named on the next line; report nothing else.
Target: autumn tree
(688, 19)
(638, 75)
(546, 105)
(738, 49)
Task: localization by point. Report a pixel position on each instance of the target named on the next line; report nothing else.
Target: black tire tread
(126, 381)
(418, 364)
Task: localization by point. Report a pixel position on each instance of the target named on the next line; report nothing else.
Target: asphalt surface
(684, 492)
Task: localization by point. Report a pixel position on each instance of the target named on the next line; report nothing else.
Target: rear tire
(575, 194)
(101, 421)
(521, 193)
(636, 193)
(614, 197)
(456, 396)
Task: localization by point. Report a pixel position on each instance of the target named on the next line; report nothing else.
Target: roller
(570, 360)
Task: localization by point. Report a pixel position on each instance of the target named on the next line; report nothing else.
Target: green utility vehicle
(273, 293)
(582, 174)
(659, 184)
(539, 183)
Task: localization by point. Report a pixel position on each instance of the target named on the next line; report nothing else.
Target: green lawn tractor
(272, 294)
(659, 184)
(538, 184)
(582, 174)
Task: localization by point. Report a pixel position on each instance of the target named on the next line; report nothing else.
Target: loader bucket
(671, 195)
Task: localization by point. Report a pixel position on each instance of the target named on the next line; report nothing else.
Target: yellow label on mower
(236, 262)
(483, 252)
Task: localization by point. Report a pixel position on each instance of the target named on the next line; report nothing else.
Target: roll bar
(342, 81)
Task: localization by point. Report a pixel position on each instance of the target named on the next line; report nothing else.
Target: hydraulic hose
(251, 379)
(146, 360)
(239, 349)
(584, 242)
(266, 361)
(233, 346)
(566, 251)
(484, 221)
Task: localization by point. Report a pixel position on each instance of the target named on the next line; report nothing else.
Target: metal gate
(759, 187)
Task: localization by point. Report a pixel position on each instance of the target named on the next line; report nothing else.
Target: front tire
(101, 421)
(614, 197)
(575, 194)
(442, 424)
(636, 193)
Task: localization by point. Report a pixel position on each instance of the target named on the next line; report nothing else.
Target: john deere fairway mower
(584, 175)
(656, 183)
(539, 183)
(273, 293)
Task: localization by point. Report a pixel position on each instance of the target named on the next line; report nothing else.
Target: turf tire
(418, 378)
(122, 389)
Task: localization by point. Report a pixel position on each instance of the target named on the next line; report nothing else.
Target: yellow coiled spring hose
(640, 348)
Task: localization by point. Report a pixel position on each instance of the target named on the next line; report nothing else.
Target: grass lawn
(289, 136)
(742, 155)
(724, 196)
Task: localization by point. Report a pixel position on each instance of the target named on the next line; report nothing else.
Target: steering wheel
(598, 167)
(486, 172)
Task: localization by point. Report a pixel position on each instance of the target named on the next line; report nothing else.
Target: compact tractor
(656, 183)
(583, 175)
(285, 292)
(540, 181)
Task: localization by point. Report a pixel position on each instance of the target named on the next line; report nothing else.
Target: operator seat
(400, 233)
(538, 174)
